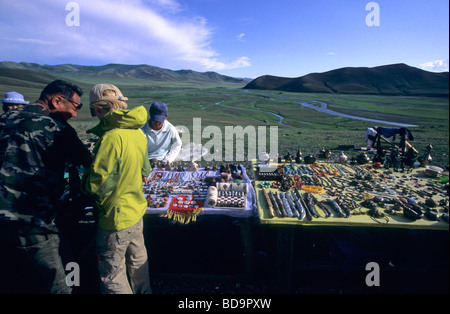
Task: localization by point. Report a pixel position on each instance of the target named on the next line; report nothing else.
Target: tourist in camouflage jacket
(36, 144)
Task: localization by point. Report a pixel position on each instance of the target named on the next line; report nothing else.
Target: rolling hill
(393, 80)
(32, 72)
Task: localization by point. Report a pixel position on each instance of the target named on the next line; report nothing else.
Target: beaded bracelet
(276, 185)
(266, 184)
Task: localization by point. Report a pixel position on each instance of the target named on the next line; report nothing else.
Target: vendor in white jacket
(163, 141)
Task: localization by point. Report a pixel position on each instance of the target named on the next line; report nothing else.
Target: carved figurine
(342, 158)
(288, 157)
(324, 154)
(192, 166)
(310, 159)
(409, 159)
(426, 159)
(299, 157)
(362, 159)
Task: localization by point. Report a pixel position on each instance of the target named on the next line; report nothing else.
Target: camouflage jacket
(34, 151)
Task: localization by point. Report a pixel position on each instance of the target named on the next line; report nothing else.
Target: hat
(97, 93)
(158, 112)
(14, 98)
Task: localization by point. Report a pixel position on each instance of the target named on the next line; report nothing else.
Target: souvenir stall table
(185, 194)
(182, 196)
(292, 196)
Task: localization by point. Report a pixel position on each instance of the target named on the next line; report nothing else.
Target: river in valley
(319, 106)
(323, 107)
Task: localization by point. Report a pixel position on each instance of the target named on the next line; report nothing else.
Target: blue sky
(245, 38)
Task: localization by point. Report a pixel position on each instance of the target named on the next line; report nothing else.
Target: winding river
(323, 107)
(317, 105)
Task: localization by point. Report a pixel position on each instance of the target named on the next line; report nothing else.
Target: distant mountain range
(111, 72)
(395, 80)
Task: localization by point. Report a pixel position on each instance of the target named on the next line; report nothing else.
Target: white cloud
(242, 62)
(240, 37)
(110, 31)
(169, 5)
(330, 53)
(436, 66)
(212, 64)
(34, 41)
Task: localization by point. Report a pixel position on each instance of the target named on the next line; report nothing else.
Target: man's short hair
(61, 87)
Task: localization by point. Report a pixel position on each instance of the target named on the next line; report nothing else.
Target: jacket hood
(121, 119)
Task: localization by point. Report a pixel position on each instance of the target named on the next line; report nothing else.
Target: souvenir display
(211, 200)
(232, 195)
(350, 194)
(185, 208)
(184, 194)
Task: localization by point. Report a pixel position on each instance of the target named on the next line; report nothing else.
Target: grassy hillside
(122, 73)
(393, 80)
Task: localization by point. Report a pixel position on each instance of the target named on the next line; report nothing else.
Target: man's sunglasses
(77, 106)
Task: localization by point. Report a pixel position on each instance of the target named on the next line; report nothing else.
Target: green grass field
(302, 128)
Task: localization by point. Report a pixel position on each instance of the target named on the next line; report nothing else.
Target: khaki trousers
(119, 253)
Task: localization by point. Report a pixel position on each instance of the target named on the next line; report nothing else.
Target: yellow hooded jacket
(114, 179)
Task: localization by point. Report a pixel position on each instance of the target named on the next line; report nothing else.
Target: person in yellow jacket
(114, 181)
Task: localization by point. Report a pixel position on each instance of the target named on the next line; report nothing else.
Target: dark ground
(207, 258)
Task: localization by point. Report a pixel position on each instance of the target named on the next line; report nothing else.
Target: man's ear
(54, 102)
